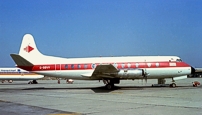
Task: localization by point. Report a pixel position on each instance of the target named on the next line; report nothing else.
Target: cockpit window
(178, 60)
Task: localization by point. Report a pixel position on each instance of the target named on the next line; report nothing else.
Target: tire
(173, 85)
(109, 86)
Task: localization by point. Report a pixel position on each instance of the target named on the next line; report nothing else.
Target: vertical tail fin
(28, 54)
(28, 48)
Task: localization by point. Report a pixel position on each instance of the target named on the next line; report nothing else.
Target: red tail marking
(28, 49)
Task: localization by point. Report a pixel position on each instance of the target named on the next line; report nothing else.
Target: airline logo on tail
(28, 49)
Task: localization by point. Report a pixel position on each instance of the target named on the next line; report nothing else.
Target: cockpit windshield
(178, 60)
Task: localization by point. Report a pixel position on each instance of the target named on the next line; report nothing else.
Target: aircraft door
(145, 68)
(57, 69)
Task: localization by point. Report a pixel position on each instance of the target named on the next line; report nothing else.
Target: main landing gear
(109, 86)
(110, 83)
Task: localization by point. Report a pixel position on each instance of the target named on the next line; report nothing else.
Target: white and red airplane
(17, 74)
(109, 69)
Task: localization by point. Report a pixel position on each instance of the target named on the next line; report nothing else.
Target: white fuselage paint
(152, 73)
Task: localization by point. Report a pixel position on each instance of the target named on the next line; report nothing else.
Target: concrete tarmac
(91, 98)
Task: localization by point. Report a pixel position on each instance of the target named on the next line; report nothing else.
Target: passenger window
(72, 66)
(129, 65)
(115, 65)
(93, 65)
(157, 64)
(122, 65)
(85, 66)
(78, 66)
(66, 66)
(136, 65)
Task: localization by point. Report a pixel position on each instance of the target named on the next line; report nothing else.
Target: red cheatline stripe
(87, 66)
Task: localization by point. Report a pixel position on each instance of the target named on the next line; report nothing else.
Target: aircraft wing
(103, 71)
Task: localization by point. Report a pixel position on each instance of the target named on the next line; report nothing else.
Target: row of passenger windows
(123, 65)
(78, 66)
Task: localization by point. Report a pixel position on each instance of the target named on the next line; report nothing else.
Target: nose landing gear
(173, 85)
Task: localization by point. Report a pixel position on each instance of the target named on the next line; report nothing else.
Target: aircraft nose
(193, 70)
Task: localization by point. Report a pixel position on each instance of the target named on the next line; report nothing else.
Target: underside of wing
(103, 71)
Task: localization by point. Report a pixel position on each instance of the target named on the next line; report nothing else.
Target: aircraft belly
(152, 73)
(69, 74)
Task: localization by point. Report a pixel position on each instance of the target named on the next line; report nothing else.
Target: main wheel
(109, 86)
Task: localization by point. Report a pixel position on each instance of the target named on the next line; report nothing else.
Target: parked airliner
(17, 74)
(109, 69)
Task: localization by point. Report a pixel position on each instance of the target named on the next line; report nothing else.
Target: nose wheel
(173, 85)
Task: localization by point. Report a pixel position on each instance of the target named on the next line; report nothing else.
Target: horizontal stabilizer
(20, 61)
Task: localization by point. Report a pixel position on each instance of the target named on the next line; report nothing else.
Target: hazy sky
(85, 28)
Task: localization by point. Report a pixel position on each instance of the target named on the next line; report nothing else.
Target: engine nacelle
(131, 73)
